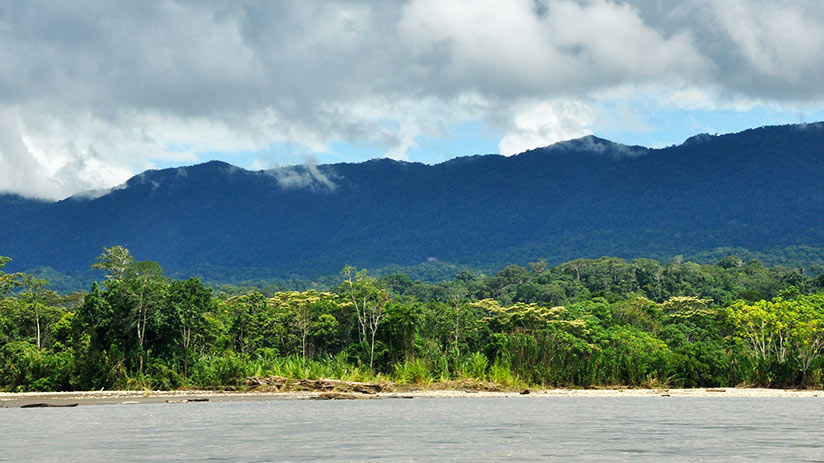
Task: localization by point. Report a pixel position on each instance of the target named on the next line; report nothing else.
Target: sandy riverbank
(12, 400)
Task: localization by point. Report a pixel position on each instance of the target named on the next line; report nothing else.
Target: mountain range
(588, 197)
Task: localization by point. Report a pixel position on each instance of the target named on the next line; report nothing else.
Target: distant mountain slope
(583, 198)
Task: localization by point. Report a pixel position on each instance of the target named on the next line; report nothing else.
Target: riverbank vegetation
(600, 322)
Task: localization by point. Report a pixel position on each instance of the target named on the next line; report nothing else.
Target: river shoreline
(55, 399)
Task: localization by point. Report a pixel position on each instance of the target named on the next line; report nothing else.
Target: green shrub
(413, 371)
(229, 369)
(474, 366)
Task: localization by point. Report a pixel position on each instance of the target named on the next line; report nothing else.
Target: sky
(93, 92)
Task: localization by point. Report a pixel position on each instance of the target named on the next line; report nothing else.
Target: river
(461, 430)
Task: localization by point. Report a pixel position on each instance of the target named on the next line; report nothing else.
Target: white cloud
(777, 39)
(33, 167)
(88, 99)
(307, 175)
(544, 123)
(503, 48)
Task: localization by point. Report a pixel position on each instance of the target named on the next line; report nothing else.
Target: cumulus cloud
(544, 123)
(506, 49)
(88, 99)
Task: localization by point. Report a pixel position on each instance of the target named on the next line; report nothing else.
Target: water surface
(462, 430)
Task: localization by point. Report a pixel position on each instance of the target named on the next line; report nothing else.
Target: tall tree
(145, 281)
(34, 291)
(114, 260)
(8, 281)
(369, 301)
(245, 313)
(188, 300)
(303, 313)
(458, 313)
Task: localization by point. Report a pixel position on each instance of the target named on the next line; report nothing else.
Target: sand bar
(13, 400)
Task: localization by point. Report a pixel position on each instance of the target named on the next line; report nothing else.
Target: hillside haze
(583, 198)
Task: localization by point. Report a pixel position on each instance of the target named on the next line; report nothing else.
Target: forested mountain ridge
(589, 197)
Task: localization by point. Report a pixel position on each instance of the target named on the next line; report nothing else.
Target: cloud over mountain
(93, 91)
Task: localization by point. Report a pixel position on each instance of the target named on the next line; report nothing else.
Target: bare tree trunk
(457, 330)
(359, 308)
(186, 332)
(372, 351)
(37, 320)
(303, 341)
(141, 334)
(374, 322)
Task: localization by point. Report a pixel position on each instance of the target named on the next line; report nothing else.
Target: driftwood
(186, 401)
(46, 405)
(280, 383)
(341, 396)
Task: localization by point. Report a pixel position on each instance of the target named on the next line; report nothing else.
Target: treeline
(583, 323)
(805, 259)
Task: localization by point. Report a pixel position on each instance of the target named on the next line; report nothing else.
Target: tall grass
(501, 373)
(231, 370)
(474, 366)
(413, 371)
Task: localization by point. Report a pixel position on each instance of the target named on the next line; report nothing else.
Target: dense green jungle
(584, 323)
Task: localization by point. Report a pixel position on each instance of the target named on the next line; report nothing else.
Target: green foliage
(583, 323)
(115, 260)
(633, 357)
(229, 369)
(8, 281)
(474, 366)
(412, 371)
(24, 368)
(784, 339)
(501, 373)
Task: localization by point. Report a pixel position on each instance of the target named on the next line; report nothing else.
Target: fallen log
(281, 383)
(47, 405)
(340, 396)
